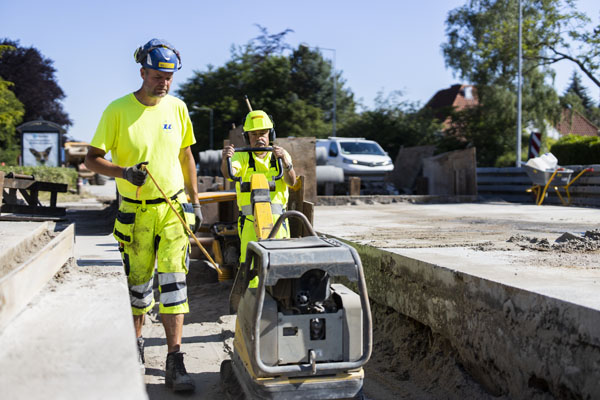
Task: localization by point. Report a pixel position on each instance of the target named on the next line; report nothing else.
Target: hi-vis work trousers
(248, 234)
(149, 234)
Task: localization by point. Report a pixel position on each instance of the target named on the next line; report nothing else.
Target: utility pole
(519, 84)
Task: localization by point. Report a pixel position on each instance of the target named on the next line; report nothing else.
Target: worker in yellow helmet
(259, 132)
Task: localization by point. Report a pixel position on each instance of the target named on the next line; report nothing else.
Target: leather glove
(199, 218)
(136, 174)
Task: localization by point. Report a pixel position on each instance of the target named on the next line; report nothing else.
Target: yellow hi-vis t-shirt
(133, 133)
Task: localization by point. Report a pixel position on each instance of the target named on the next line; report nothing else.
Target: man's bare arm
(95, 161)
(190, 178)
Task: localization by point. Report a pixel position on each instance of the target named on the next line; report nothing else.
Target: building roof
(455, 98)
(573, 123)
(458, 96)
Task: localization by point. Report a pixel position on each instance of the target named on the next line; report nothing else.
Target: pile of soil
(566, 243)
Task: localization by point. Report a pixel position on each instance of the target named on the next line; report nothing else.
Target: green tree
(576, 97)
(293, 85)
(482, 38)
(11, 114)
(394, 123)
(34, 83)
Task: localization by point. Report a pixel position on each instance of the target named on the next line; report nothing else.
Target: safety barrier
(511, 184)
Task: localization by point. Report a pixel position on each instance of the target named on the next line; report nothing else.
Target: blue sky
(379, 45)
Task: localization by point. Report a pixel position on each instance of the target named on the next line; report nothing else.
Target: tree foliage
(483, 34)
(394, 123)
(34, 83)
(293, 85)
(481, 47)
(11, 114)
(576, 97)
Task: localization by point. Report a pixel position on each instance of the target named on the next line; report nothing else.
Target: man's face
(156, 83)
(259, 138)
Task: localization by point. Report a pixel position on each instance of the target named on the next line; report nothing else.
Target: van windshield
(361, 148)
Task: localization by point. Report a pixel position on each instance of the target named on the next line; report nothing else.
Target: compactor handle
(252, 150)
(287, 215)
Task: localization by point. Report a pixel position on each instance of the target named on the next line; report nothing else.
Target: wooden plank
(35, 210)
(585, 179)
(216, 197)
(502, 188)
(49, 187)
(506, 170)
(28, 218)
(18, 287)
(11, 183)
(296, 202)
(309, 211)
(486, 179)
(582, 190)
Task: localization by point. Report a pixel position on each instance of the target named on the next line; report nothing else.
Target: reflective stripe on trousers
(141, 296)
(173, 289)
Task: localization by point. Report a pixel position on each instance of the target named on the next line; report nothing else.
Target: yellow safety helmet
(256, 121)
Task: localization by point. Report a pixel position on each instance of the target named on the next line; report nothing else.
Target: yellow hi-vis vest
(247, 165)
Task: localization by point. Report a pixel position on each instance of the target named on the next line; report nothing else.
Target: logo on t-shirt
(166, 127)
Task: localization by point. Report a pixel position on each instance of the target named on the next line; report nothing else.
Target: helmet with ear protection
(256, 121)
(158, 54)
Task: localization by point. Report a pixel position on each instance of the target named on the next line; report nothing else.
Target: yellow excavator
(298, 335)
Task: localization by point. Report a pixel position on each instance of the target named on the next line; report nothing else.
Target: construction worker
(259, 132)
(151, 128)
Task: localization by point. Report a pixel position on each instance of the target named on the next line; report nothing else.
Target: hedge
(577, 150)
(46, 174)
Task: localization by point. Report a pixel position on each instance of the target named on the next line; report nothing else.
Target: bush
(577, 150)
(46, 174)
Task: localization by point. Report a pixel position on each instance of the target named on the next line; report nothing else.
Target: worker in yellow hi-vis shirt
(259, 132)
(150, 127)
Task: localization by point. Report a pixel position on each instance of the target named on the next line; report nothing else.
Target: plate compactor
(298, 335)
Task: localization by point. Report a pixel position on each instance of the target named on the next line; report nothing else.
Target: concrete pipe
(209, 162)
(329, 173)
(321, 155)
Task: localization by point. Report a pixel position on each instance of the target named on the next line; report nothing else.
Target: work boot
(176, 377)
(141, 359)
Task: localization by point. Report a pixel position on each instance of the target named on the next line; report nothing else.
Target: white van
(357, 157)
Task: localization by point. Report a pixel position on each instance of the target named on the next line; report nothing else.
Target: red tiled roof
(456, 96)
(573, 123)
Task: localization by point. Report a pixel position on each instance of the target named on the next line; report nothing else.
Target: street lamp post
(210, 128)
(519, 84)
(333, 118)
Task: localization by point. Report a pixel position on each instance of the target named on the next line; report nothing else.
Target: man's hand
(199, 218)
(228, 151)
(278, 152)
(136, 175)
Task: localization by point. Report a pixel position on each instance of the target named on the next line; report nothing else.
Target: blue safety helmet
(158, 54)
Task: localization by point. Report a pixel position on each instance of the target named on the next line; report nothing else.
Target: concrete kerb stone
(511, 340)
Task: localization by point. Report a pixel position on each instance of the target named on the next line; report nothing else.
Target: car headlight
(388, 162)
(349, 161)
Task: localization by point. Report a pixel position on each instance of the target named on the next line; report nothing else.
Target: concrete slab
(75, 340)
(473, 238)
(525, 318)
(14, 237)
